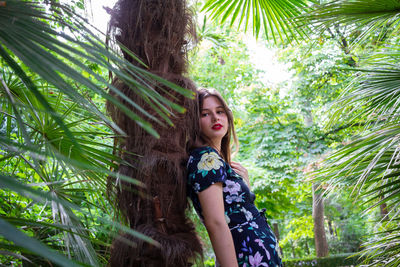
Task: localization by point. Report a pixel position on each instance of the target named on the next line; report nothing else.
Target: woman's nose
(215, 117)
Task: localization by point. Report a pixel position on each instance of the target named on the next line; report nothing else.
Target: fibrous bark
(157, 31)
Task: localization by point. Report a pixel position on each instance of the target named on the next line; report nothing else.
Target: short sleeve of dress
(205, 168)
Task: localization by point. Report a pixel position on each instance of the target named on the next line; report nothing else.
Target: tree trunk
(330, 228)
(307, 248)
(158, 33)
(276, 232)
(293, 251)
(321, 245)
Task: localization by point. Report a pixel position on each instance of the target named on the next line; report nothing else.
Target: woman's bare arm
(212, 205)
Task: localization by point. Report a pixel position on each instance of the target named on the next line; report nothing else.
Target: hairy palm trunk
(157, 31)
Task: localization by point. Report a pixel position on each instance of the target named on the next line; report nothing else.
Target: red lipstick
(216, 126)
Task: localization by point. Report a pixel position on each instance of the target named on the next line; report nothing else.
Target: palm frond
(373, 93)
(370, 164)
(276, 18)
(32, 40)
(10, 232)
(383, 250)
(56, 144)
(371, 17)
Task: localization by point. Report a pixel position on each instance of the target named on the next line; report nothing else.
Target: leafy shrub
(209, 262)
(331, 261)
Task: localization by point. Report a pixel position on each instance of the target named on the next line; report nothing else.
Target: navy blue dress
(255, 243)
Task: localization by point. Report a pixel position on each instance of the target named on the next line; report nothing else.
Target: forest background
(321, 148)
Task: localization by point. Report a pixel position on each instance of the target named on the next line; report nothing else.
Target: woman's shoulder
(204, 155)
(205, 167)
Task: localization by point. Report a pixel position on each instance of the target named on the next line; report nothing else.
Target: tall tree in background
(321, 244)
(158, 32)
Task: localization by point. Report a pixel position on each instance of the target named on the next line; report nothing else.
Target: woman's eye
(204, 114)
(220, 112)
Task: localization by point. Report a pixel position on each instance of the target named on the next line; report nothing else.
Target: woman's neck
(216, 146)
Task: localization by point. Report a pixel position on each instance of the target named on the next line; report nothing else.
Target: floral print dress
(255, 243)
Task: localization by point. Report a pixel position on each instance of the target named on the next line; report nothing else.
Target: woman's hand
(242, 171)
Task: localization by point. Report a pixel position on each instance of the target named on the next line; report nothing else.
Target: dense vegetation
(326, 140)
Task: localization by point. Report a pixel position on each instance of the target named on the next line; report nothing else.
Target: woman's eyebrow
(209, 109)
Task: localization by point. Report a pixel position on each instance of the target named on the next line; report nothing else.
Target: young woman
(219, 190)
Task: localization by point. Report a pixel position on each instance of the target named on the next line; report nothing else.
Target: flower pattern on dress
(196, 187)
(254, 225)
(232, 187)
(233, 198)
(209, 161)
(256, 260)
(261, 244)
(255, 243)
(247, 213)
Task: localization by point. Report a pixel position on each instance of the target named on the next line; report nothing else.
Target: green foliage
(300, 228)
(269, 140)
(348, 226)
(224, 68)
(318, 72)
(371, 21)
(299, 236)
(368, 164)
(209, 262)
(331, 261)
(60, 200)
(275, 18)
(276, 141)
(56, 143)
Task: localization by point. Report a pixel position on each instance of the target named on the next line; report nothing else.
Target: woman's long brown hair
(230, 140)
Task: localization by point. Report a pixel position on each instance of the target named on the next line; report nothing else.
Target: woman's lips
(216, 127)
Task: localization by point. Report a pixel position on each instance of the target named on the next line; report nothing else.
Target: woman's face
(213, 119)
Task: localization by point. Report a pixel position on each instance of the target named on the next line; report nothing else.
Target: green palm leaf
(370, 17)
(8, 231)
(69, 172)
(32, 40)
(277, 18)
(373, 95)
(56, 144)
(370, 163)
